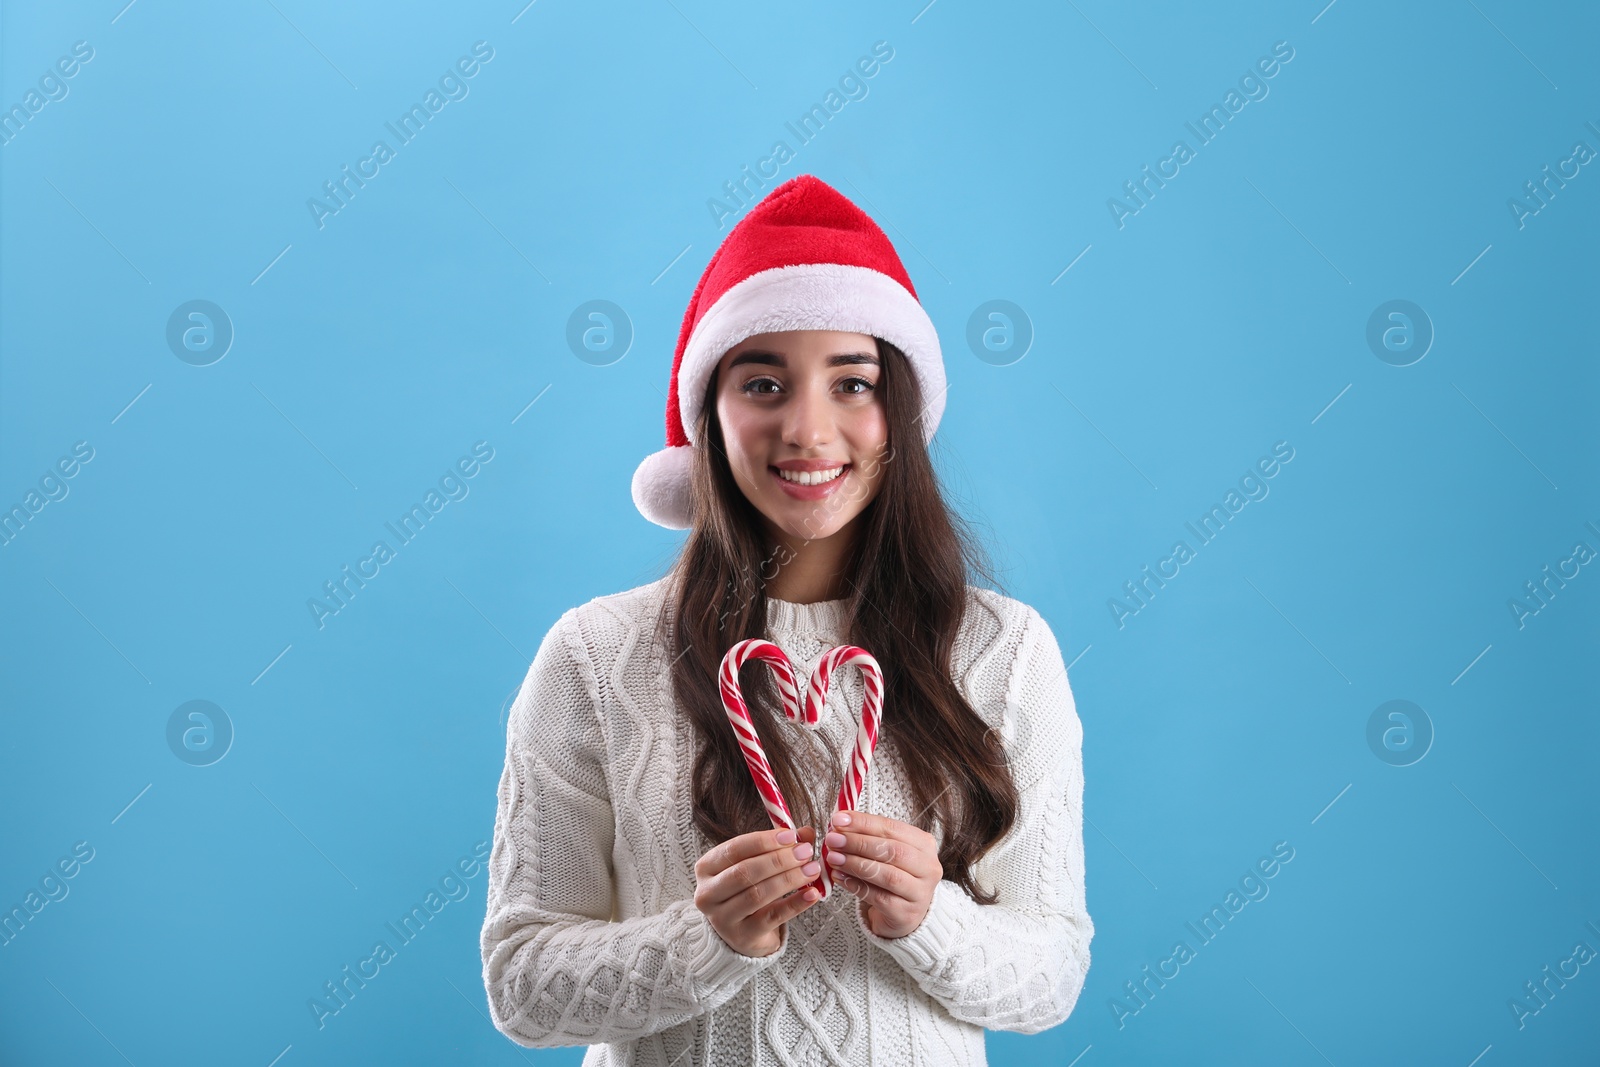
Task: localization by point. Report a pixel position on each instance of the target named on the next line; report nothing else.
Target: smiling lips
(810, 477)
(809, 480)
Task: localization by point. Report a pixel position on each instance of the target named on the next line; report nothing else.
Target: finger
(723, 856)
(865, 822)
(722, 887)
(872, 895)
(884, 876)
(771, 892)
(791, 905)
(909, 858)
(761, 879)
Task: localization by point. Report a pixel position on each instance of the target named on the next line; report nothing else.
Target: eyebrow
(776, 359)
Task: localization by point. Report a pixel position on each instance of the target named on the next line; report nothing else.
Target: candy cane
(855, 776)
(755, 757)
(807, 712)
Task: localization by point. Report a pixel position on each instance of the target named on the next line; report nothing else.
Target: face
(804, 427)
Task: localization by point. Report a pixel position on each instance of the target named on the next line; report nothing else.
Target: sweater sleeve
(557, 969)
(1020, 963)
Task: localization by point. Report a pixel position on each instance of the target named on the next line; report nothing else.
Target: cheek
(869, 433)
(869, 438)
(741, 435)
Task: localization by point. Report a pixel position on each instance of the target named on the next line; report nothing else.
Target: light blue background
(1228, 314)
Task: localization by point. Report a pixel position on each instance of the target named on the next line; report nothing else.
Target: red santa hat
(804, 258)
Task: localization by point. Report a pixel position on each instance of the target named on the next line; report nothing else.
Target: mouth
(810, 485)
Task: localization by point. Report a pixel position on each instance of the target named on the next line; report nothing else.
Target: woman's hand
(746, 886)
(890, 865)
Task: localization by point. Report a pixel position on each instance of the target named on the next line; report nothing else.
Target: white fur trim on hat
(661, 487)
(813, 296)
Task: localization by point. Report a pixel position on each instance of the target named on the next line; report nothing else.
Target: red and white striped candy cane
(807, 713)
(755, 757)
(855, 775)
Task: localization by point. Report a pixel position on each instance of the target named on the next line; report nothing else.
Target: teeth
(810, 477)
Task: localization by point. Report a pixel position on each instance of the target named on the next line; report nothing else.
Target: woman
(639, 899)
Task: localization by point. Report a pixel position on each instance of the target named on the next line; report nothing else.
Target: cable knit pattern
(592, 937)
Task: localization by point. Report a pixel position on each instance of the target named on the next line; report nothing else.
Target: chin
(795, 525)
(801, 520)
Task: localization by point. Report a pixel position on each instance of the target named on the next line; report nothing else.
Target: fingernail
(835, 859)
(835, 840)
(812, 868)
(786, 837)
(802, 851)
(842, 818)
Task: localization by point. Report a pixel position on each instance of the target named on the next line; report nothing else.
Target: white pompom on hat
(804, 258)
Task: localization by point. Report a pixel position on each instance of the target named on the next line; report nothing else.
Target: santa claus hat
(804, 258)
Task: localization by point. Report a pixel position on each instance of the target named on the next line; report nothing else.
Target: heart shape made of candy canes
(806, 709)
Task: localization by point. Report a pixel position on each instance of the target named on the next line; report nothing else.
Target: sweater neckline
(820, 616)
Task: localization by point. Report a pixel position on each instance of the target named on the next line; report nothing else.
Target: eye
(749, 387)
(868, 386)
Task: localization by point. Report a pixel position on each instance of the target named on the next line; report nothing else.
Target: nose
(808, 418)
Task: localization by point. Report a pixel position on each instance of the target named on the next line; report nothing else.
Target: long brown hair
(907, 574)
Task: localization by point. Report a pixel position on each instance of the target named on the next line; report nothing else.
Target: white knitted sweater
(592, 936)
